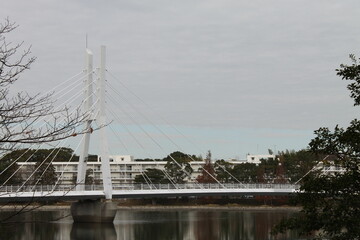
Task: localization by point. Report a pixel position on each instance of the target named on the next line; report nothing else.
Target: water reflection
(159, 225)
(145, 224)
(34, 225)
(88, 231)
(199, 225)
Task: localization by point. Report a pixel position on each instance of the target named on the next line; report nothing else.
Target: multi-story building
(123, 168)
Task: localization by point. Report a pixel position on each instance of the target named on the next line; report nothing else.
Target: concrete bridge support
(94, 211)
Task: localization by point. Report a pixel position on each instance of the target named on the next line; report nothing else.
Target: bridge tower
(100, 117)
(89, 210)
(88, 102)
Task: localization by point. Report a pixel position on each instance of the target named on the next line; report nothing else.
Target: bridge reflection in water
(161, 224)
(86, 231)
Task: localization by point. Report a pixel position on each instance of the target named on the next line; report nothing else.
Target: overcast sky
(233, 76)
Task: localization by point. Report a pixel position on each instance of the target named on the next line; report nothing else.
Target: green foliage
(246, 172)
(298, 163)
(7, 168)
(207, 171)
(178, 166)
(267, 170)
(222, 170)
(44, 174)
(288, 166)
(351, 73)
(331, 203)
(151, 175)
(33, 155)
(148, 160)
(38, 156)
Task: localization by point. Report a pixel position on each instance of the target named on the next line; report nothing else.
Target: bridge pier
(94, 211)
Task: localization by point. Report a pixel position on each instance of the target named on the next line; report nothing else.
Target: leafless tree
(20, 112)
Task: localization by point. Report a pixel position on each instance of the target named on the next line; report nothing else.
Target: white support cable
(228, 173)
(82, 181)
(118, 138)
(52, 160)
(142, 174)
(70, 86)
(156, 114)
(126, 128)
(75, 96)
(136, 140)
(55, 108)
(312, 169)
(169, 177)
(44, 118)
(29, 157)
(65, 82)
(18, 169)
(189, 175)
(87, 91)
(181, 167)
(13, 162)
(67, 163)
(50, 163)
(40, 127)
(32, 174)
(152, 109)
(28, 149)
(138, 125)
(146, 176)
(112, 88)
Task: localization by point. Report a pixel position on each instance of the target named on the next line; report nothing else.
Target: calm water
(145, 224)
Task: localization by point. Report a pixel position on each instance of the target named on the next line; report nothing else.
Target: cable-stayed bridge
(94, 102)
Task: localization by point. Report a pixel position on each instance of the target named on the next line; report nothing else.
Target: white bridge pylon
(100, 118)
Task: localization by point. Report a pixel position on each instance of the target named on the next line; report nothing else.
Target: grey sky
(261, 70)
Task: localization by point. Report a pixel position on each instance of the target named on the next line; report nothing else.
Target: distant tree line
(286, 167)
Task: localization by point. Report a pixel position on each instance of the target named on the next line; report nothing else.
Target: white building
(257, 158)
(123, 169)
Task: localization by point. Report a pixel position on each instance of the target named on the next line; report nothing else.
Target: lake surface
(159, 224)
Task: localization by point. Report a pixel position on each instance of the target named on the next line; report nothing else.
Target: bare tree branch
(20, 115)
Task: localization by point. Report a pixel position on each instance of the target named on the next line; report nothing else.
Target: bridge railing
(203, 186)
(131, 186)
(38, 188)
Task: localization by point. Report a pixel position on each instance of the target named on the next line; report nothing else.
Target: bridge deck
(62, 193)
